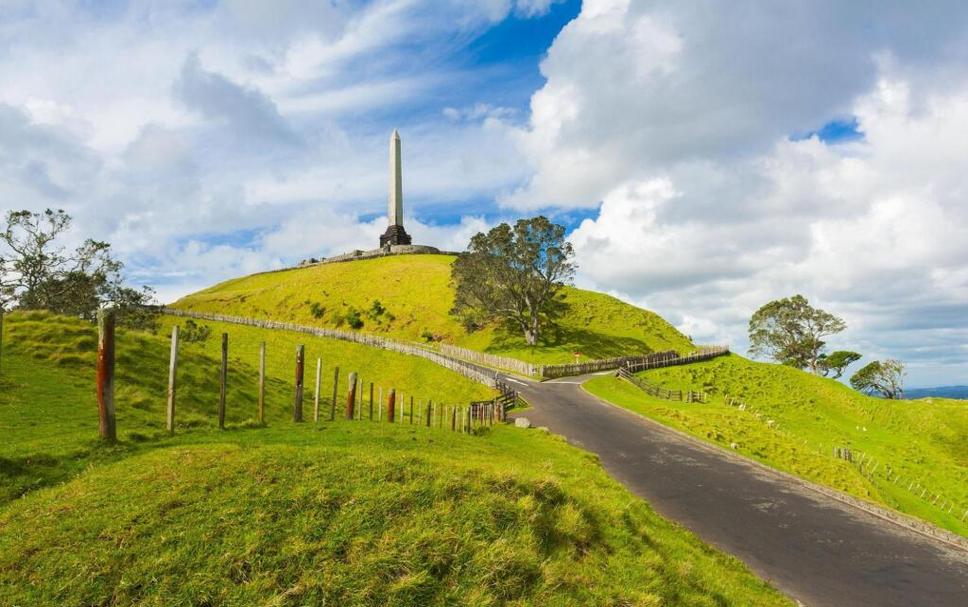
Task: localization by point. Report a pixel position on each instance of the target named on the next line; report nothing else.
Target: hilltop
(409, 297)
(343, 512)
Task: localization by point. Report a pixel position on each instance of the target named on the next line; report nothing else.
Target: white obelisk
(395, 206)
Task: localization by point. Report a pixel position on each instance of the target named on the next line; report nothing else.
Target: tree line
(792, 332)
(514, 276)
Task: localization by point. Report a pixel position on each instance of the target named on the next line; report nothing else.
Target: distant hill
(938, 392)
(410, 296)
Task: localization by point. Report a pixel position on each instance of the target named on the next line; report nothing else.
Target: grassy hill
(342, 513)
(795, 420)
(49, 368)
(415, 297)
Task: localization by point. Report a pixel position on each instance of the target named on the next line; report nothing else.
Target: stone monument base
(395, 235)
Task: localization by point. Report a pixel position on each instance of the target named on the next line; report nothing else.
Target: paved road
(815, 549)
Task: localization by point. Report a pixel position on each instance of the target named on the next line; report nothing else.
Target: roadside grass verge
(921, 440)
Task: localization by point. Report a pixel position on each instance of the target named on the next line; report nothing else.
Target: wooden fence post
(262, 383)
(380, 408)
(351, 396)
(371, 401)
(172, 368)
(332, 404)
(392, 405)
(319, 373)
(222, 378)
(297, 400)
(105, 374)
(428, 413)
(411, 410)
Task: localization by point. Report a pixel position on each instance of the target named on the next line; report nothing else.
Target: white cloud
(676, 119)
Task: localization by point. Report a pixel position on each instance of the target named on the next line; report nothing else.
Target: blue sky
(705, 157)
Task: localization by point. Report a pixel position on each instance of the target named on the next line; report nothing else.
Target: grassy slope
(410, 375)
(415, 290)
(47, 424)
(347, 513)
(919, 439)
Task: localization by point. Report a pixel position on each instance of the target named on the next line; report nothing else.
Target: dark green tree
(885, 378)
(791, 331)
(514, 275)
(836, 362)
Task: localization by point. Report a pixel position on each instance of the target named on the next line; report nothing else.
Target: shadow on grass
(591, 344)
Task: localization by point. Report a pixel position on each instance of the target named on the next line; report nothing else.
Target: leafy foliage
(193, 332)
(317, 310)
(791, 331)
(38, 273)
(836, 362)
(515, 276)
(885, 378)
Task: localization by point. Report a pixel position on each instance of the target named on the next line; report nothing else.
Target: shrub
(194, 332)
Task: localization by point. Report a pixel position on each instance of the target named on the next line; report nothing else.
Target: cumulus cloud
(708, 207)
(246, 111)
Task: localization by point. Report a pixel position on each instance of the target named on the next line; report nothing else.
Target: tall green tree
(792, 332)
(836, 362)
(514, 275)
(37, 271)
(885, 378)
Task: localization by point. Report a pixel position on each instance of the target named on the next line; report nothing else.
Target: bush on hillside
(193, 332)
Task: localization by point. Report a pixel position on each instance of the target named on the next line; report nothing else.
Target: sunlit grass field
(340, 513)
(415, 298)
(924, 440)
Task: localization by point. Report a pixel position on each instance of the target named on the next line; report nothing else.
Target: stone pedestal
(395, 235)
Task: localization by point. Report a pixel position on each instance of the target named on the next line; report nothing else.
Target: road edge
(899, 519)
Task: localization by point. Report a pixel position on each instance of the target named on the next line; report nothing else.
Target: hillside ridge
(409, 297)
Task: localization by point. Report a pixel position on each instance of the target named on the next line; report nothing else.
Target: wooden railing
(704, 353)
(688, 396)
(491, 360)
(603, 364)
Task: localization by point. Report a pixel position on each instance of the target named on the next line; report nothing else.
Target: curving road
(815, 549)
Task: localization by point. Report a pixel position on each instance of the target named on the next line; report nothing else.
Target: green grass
(921, 440)
(336, 513)
(411, 375)
(416, 294)
(47, 423)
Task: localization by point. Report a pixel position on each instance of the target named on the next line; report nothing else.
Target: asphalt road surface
(815, 549)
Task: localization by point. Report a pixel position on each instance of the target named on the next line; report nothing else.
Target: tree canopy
(36, 271)
(791, 331)
(885, 378)
(514, 275)
(836, 362)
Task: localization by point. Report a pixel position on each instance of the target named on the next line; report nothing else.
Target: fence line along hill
(408, 298)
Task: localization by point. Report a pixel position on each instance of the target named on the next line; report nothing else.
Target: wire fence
(391, 406)
(473, 371)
